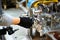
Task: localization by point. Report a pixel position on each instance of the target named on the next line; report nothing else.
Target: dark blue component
(1, 8)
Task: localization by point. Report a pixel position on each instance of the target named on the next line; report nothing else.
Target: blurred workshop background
(27, 8)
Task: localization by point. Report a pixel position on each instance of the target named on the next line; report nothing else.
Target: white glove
(6, 20)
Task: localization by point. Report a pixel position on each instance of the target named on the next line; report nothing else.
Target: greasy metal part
(48, 29)
(46, 18)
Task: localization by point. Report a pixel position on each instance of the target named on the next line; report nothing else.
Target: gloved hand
(8, 20)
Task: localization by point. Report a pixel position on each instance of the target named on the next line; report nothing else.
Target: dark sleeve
(26, 22)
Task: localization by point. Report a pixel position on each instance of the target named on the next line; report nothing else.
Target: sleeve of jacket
(26, 22)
